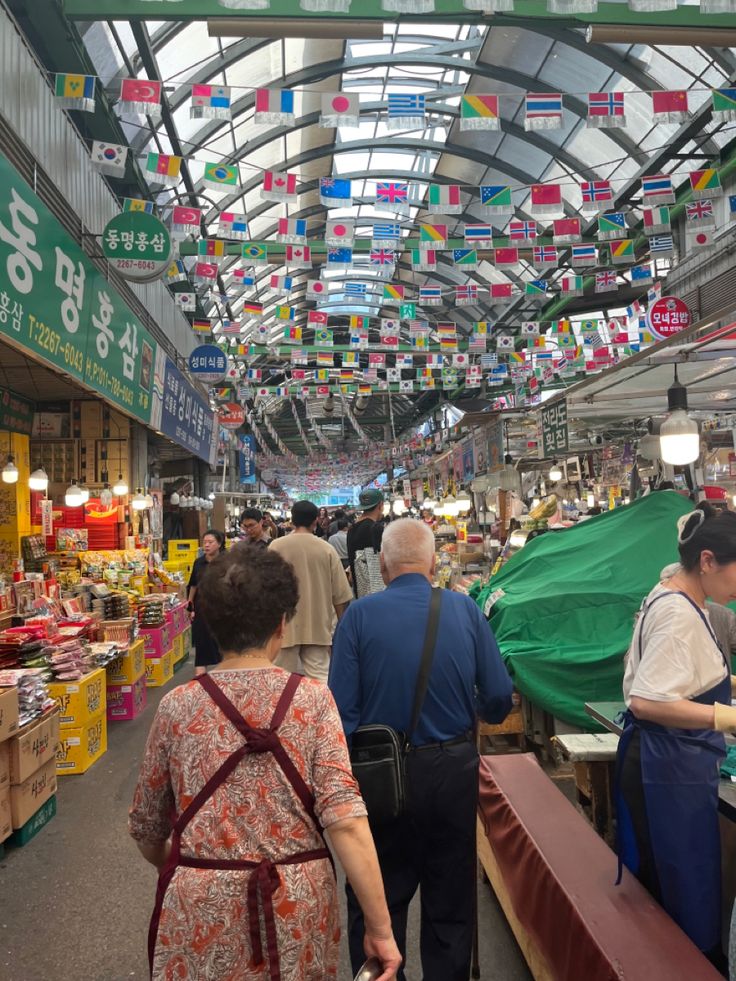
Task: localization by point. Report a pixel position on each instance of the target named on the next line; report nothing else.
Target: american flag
(382, 257)
(392, 192)
(700, 210)
(522, 230)
(596, 191)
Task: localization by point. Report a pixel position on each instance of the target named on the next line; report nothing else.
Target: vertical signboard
(247, 456)
(553, 423)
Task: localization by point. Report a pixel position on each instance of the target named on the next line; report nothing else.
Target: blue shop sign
(208, 363)
(185, 415)
(247, 460)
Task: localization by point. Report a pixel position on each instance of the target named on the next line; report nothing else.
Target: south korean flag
(504, 342)
(530, 328)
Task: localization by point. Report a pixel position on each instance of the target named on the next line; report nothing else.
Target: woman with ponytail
(677, 687)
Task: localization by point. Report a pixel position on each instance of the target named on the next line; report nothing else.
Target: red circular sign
(231, 416)
(667, 316)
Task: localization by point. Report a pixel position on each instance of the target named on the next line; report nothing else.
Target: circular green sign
(137, 245)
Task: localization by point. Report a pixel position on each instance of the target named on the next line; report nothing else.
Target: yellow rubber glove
(724, 718)
(733, 684)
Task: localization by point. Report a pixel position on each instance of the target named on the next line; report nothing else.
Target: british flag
(391, 193)
(382, 257)
(605, 282)
(594, 191)
(700, 211)
(522, 230)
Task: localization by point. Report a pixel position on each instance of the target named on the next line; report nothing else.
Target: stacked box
(35, 823)
(159, 670)
(80, 701)
(8, 727)
(33, 746)
(126, 702)
(26, 798)
(178, 648)
(157, 640)
(188, 640)
(82, 746)
(128, 668)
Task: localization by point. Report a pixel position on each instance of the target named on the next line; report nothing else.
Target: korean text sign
(248, 460)
(56, 305)
(185, 416)
(553, 419)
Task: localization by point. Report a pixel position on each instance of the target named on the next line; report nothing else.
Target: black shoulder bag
(378, 753)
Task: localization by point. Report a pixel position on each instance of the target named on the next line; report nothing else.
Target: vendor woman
(677, 687)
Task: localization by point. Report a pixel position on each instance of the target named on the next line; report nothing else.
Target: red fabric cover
(560, 878)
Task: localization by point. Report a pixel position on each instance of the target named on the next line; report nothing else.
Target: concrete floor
(75, 902)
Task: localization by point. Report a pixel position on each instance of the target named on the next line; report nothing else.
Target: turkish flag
(140, 90)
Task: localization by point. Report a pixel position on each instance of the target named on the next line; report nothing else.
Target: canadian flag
(278, 186)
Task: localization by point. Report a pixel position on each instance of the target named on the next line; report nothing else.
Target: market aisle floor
(75, 902)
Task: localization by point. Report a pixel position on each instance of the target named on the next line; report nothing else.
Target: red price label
(667, 316)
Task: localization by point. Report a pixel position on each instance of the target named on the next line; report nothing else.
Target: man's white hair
(407, 542)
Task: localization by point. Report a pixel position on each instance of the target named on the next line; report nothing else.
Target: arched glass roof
(508, 56)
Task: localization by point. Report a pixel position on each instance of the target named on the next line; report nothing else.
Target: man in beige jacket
(324, 593)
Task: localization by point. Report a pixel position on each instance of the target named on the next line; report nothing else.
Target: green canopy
(565, 619)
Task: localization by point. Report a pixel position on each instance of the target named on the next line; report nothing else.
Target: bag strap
(430, 641)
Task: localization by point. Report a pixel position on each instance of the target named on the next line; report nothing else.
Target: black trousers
(432, 848)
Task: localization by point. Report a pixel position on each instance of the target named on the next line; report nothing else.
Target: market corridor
(81, 894)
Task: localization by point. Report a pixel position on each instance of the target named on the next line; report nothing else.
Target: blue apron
(680, 775)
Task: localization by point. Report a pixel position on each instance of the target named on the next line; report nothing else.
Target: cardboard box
(6, 821)
(80, 701)
(181, 618)
(33, 746)
(159, 670)
(81, 747)
(8, 712)
(4, 764)
(128, 668)
(34, 823)
(178, 648)
(157, 640)
(27, 797)
(126, 702)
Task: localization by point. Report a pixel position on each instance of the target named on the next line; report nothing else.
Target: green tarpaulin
(566, 617)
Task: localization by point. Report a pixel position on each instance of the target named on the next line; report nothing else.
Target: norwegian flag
(544, 255)
(700, 211)
(566, 230)
(596, 195)
(546, 199)
(382, 257)
(522, 231)
(606, 110)
(466, 295)
(605, 282)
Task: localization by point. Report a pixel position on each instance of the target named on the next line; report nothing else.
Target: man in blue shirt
(375, 663)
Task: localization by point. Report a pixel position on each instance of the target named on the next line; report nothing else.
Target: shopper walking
(252, 526)
(339, 542)
(324, 592)
(677, 687)
(364, 544)
(243, 770)
(205, 646)
(373, 676)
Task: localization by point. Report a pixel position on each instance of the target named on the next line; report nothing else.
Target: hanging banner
(183, 414)
(247, 456)
(59, 308)
(553, 423)
(16, 413)
(495, 445)
(46, 507)
(667, 316)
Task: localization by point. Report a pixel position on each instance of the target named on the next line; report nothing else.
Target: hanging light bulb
(590, 500)
(84, 491)
(174, 500)
(138, 502)
(450, 506)
(10, 471)
(120, 488)
(555, 473)
(678, 435)
(439, 509)
(399, 506)
(73, 497)
(39, 480)
(386, 508)
(463, 502)
(149, 501)
(211, 495)
(328, 407)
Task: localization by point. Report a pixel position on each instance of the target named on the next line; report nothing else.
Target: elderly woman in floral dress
(243, 770)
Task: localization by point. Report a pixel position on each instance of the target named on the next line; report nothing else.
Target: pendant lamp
(678, 435)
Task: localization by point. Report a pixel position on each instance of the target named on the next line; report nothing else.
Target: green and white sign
(137, 245)
(58, 307)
